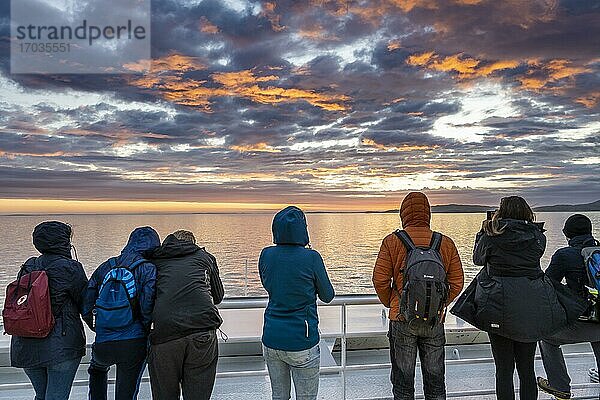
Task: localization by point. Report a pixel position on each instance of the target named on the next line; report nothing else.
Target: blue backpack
(591, 257)
(117, 303)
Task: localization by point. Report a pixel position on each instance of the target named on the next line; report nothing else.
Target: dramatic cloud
(327, 103)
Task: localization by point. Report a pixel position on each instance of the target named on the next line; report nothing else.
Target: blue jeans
(302, 366)
(53, 382)
(405, 341)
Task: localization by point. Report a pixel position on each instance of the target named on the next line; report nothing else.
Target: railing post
(246, 279)
(344, 331)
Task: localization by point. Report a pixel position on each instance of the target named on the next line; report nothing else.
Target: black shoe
(593, 373)
(545, 387)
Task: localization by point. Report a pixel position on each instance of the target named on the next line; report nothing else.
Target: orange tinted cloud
(207, 27)
(316, 32)
(371, 143)
(173, 62)
(261, 147)
(13, 154)
(173, 86)
(394, 45)
(420, 59)
(546, 76)
(466, 67)
(590, 100)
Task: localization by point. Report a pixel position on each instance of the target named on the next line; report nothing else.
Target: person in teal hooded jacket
(293, 276)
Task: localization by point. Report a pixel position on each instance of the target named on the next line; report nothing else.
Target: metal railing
(342, 301)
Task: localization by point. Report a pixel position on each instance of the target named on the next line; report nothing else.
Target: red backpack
(27, 308)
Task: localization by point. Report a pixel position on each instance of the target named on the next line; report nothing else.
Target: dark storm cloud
(230, 111)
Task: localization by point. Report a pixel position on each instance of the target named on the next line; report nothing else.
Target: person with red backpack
(118, 305)
(418, 272)
(48, 347)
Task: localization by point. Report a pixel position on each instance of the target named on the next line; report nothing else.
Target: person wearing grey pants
(552, 355)
(568, 264)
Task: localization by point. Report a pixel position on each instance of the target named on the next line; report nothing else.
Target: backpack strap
(114, 264)
(436, 241)
(406, 240)
(136, 263)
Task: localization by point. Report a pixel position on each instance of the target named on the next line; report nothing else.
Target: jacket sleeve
(147, 293)
(455, 273)
(261, 269)
(216, 285)
(79, 283)
(557, 269)
(324, 287)
(480, 249)
(383, 275)
(90, 295)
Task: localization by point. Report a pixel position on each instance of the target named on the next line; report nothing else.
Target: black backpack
(425, 286)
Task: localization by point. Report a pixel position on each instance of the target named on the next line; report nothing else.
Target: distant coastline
(443, 208)
(468, 208)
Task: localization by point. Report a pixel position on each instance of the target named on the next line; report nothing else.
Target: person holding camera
(515, 303)
(568, 264)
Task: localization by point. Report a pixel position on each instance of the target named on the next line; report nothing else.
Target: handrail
(342, 301)
(242, 303)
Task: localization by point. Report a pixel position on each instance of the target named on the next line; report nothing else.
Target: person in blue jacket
(51, 362)
(567, 263)
(293, 275)
(126, 346)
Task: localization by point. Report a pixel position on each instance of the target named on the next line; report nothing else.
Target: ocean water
(349, 243)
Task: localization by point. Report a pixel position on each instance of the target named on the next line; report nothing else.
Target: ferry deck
(354, 357)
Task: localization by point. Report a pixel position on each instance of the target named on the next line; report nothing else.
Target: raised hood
(289, 227)
(141, 240)
(53, 237)
(415, 210)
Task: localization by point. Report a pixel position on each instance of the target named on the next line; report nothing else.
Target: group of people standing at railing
(156, 303)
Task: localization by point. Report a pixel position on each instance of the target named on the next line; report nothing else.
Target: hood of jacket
(415, 210)
(582, 241)
(141, 240)
(516, 232)
(172, 247)
(53, 237)
(289, 227)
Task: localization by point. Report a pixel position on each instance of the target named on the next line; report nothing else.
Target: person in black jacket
(515, 303)
(51, 362)
(184, 348)
(567, 263)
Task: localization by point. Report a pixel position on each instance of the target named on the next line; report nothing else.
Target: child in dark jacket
(293, 276)
(51, 362)
(567, 263)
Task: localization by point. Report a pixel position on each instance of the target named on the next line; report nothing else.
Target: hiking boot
(593, 373)
(544, 386)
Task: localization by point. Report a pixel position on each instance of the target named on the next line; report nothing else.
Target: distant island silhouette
(468, 208)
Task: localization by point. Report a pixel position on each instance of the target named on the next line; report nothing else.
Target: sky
(327, 104)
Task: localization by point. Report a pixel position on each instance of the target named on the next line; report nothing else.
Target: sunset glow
(331, 105)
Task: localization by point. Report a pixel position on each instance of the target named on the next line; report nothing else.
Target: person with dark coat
(567, 263)
(126, 346)
(51, 362)
(293, 276)
(184, 348)
(516, 304)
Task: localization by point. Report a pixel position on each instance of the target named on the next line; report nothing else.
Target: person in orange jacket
(405, 338)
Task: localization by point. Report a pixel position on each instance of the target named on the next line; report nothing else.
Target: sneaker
(593, 373)
(544, 386)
